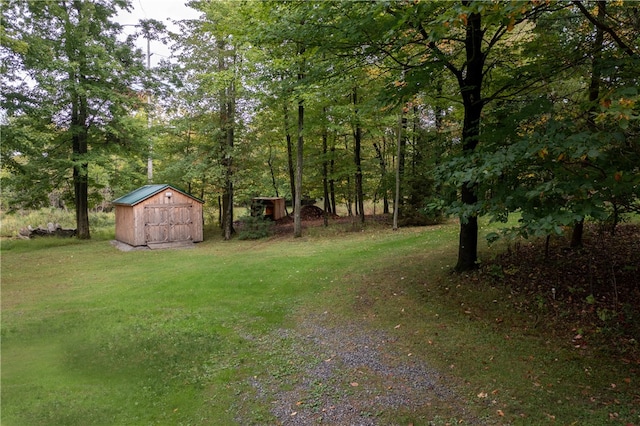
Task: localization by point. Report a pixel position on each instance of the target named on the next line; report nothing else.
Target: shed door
(166, 223)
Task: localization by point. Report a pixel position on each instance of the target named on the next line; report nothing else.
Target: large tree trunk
(297, 210)
(325, 170)
(594, 95)
(228, 193)
(290, 163)
(357, 137)
(470, 86)
(227, 117)
(80, 167)
(79, 130)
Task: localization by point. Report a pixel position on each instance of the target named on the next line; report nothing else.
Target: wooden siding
(125, 231)
(160, 219)
(272, 207)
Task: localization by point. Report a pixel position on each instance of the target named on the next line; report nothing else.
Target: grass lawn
(94, 336)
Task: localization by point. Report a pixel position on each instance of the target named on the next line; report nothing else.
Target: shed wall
(125, 231)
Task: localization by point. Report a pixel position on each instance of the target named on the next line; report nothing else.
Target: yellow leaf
(543, 153)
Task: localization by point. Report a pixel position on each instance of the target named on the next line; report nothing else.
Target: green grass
(94, 336)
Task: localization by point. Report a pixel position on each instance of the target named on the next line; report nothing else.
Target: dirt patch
(313, 217)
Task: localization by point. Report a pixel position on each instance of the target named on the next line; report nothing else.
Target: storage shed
(158, 216)
(268, 207)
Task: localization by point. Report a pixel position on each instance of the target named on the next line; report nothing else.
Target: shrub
(254, 228)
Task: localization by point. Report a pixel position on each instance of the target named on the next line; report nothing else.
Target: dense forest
(425, 108)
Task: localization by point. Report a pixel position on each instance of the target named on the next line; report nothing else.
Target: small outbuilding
(158, 216)
(268, 207)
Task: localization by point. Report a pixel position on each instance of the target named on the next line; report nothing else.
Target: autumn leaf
(543, 153)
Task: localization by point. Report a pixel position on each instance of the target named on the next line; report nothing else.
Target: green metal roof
(144, 192)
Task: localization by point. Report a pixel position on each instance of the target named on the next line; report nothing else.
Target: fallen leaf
(500, 413)
(482, 395)
(354, 384)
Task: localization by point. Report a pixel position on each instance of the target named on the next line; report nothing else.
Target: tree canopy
(463, 108)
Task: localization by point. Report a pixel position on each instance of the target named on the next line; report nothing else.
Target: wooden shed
(268, 207)
(158, 216)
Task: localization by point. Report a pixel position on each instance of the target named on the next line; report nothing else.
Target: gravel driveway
(349, 375)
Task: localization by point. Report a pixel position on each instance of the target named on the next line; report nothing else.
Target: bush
(254, 228)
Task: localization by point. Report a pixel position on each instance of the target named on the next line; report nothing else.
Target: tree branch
(601, 25)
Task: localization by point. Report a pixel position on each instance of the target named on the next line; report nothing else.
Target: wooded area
(436, 108)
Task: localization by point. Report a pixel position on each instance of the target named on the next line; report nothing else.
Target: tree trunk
(594, 95)
(325, 171)
(297, 210)
(227, 117)
(402, 124)
(383, 173)
(470, 86)
(297, 217)
(332, 183)
(576, 234)
(290, 163)
(81, 167)
(357, 138)
(79, 129)
(272, 172)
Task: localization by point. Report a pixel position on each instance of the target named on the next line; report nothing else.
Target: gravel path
(348, 375)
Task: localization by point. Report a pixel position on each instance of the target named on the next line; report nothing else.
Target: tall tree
(80, 79)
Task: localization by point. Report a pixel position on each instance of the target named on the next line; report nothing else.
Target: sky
(161, 10)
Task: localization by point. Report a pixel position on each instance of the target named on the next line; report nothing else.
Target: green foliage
(255, 228)
(76, 110)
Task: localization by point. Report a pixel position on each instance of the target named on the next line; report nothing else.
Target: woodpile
(52, 230)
